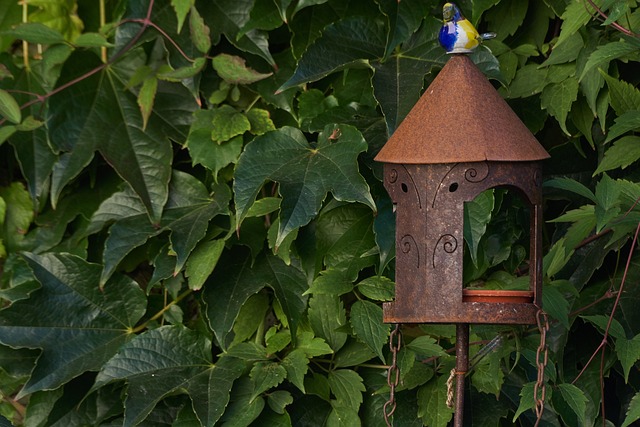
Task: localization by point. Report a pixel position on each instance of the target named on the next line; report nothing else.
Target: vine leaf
(432, 403)
(239, 278)
(347, 386)
(167, 360)
(97, 114)
(366, 320)
(77, 325)
(576, 400)
(633, 412)
(305, 173)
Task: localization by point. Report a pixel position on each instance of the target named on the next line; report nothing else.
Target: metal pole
(462, 366)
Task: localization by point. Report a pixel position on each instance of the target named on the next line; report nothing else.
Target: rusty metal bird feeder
(460, 139)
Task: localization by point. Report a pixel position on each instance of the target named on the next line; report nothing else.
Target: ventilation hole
(453, 187)
(404, 187)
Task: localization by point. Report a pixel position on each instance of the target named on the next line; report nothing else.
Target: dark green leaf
(477, 214)
(266, 375)
(327, 316)
(343, 43)
(506, 17)
(425, 346)
(305, 174)
(624, 152)
(633, 412)
(331, 282)
(605, 53)
(35, 32)
(576, 399)
(76, 324)
(346, 385)
(557, 99)
(404, 20)
(624, 123)
(432, 403)
(628, 352)
(571, 185)
(624, 96)
(366, 321)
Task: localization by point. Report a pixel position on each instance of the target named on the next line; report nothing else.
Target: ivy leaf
(18, 215)
(331, 282)
(305, 174)
(35, 32)
(94, 115)
(526, 400)
(327, 316)
(432, 403)
(574, 17)
(347, 386)
(266, 375)
(238, 279)
(345, 42)
(624, 152)
(605, 53)
(182, 8)
(425, 346)
(312, 346)
(404, 20)
(624, 123)
(377, 288)
(557, 99)
(166, 360)
(200, 33)
(366, 321)
(77, 325)
(633, 412)
(477, 214)
(607, 201)
(624, 96)
(233, 69)
(296, 364)
(576, 400)
(9, 108)
(488, 375)
(202, 261)
(228, 122)
(628, 351)
(571, 185)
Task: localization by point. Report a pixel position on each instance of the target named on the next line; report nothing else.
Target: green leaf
(331, 282)
(557, 99)
(204, 150)
(200, 33)
(526, 400)
(266, 375)
(506, 17)
(233, 69)
(425, 346)
(601, 57)
(628, 351)
(182, 7)
(633, 412)
(327, 317)
(576, 400)
(305, 173)
(92, 40)
(479, 7)
(202, 261)
(166, 360)
(488, 375)
(624, 96)
(432, 403)
(93, 115)
(366, 321)
(614, 329)
(477, 214)
(17, 217)
(260, 121)
(556, 258)
(343, 43)
(312, 346)
(342, 416)
(238, 279)
(296, 364)
(347, 386)
(9, 108)
(146, 96)
(575, 16)
(278, 400)
(35, 32)
(529, 80)
(556, 305)
(77, 325)
(566, 52)
(379, 288)
(607, 201)
(404, 20)
(624, 152)
(624, 123)
(571, 185)
(228, 122)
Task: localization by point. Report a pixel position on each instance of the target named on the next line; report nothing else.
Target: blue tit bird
(457, 34)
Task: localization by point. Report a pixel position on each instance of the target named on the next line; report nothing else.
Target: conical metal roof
(461, 118)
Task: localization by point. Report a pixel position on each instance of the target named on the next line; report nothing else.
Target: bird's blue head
(450, 12)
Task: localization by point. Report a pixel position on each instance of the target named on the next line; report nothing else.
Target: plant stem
(161, 312)
(103, 21)
(25, 44)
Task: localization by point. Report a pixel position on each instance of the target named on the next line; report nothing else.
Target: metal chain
(393, 374)
(542, 356)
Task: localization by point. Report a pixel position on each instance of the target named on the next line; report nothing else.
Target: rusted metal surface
(462, 367)
(461, 118)
(429, 202)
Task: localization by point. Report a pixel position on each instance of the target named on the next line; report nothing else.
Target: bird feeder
(460, 139)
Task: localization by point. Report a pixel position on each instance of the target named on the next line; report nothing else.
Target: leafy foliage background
(193, 230)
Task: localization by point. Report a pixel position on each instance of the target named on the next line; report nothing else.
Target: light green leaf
(35, 32)
(607, 201)
(166, 360)
(624, 152)
(278, 400)
(9, 107)
(203, 150)
(202, 261)
(228, 122)
(576, 400)
(146, 97)
(305, 174)
(628, 351)
(557, 99)
(556, 305)
(366, 321)
(477, 214)
(92, 40)
(605, 53)
(565, 52)
(488, 375)
(312, 346)
(432, 403)
(629, 121)
(556, 258)
(347, 386)
(633, 412)
(331, 282)
(234, 70)
(17, 217)
(296, 363)
(6, 131)
(526, 400)
(346, 42)
(182, 7)
(266, 375)
(200, 33)
(379, 288)
(575, 16)
(571, 185)
(77, 325)
(260, 121)
(425, 346)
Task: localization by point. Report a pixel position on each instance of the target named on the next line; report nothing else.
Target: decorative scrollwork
(407, 245)
(393, 175)
(473, 174)
(448, 243)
